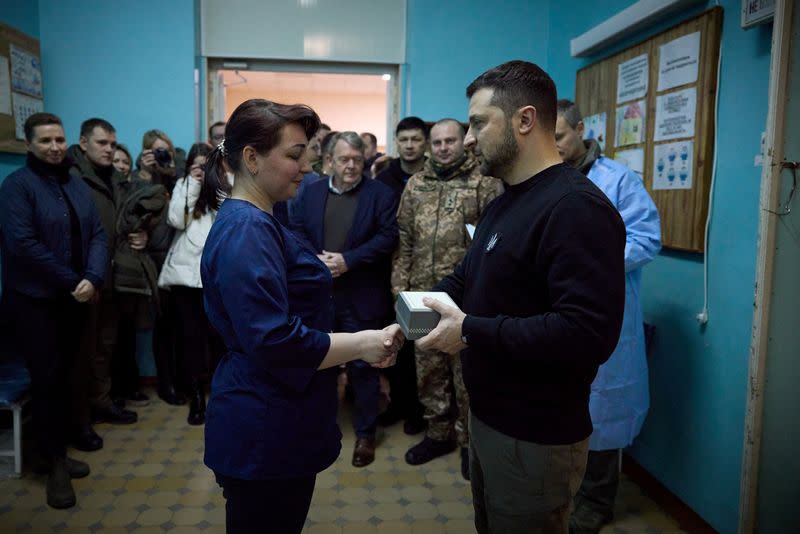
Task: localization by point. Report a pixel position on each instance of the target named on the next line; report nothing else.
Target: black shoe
(465, 463)
(116, 416)
(428, 449)
(197, 407)
(414, 426)
(119, 402)
(59, 485)
(84, 438)
(138, 398)
(170, 396)
(389, 417)
(75, 468)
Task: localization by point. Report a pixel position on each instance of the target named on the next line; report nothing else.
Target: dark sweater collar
(536, 178)
(59, 171)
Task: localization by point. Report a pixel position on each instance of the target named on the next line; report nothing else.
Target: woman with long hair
(271, 416)
(198, 345)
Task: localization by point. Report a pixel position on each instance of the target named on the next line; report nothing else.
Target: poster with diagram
(673, 165)
(26, 72)
(631, 126)
(595, 128)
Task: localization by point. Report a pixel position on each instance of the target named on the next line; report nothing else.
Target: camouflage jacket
(432, 217)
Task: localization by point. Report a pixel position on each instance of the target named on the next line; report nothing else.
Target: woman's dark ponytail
(215, 183)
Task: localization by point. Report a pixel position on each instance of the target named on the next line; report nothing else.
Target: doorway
(361, 98)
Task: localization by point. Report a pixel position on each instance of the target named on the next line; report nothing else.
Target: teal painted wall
(449, 43)
(692, 439)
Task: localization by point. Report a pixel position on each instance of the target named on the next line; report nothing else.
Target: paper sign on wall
(595, 128)
(632, 78)
(633, 159)
(678, 61)
(26, 72)
(24, 107)
(675, 114)
(5, 87)
(631, 123)
(673, 165)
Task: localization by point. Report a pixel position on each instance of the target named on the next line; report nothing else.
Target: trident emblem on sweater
(492, 243)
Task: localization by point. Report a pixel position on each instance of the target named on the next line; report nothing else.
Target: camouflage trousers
(441, 390)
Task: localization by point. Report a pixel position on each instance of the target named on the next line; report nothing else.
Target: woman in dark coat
(54, 260)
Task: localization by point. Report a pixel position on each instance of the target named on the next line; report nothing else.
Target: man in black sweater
(541, 295)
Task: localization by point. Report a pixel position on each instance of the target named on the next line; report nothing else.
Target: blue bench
(15, 385)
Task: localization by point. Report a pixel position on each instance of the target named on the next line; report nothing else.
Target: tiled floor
(149, 478)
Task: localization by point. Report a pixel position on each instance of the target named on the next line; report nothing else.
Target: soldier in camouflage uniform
(437, 204)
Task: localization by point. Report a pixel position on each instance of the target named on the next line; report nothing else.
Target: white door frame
(214, 65)
(771, 176)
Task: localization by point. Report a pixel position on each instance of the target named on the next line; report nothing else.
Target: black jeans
(258, 506)
(199, 346)
(47, 332)
(134, 314)
(402, 378)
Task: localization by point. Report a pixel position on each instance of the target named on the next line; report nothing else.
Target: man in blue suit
(620, 397)
(351, 223)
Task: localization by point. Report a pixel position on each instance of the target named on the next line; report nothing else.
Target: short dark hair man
(411, 136)
(350, 222)
(216, 133)
(620, 396)
(370, 151)
(542, 293)
(92, 162)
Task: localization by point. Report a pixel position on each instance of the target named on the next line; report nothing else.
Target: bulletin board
(652, 108)
(21, 91)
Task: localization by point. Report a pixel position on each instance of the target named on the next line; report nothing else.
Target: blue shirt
(271, 413)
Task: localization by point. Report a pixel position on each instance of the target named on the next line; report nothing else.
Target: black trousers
(134, 315)
(199, 346)
(258, 506)
(48, 333)
(165, 344)
(594, 503)
(402, 378)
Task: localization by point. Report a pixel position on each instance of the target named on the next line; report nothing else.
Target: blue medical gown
(271, 413)
(620, 394)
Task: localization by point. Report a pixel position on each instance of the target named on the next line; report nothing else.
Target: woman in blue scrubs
(271, 417)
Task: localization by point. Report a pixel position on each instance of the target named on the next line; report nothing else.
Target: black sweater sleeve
(582, 251)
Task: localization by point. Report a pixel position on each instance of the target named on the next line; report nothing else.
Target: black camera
(163, 157)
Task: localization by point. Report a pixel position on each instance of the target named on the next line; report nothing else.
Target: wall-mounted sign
(756, 12)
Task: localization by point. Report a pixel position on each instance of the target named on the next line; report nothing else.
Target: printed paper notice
(595, 128)
(632, 77)
(631, 123)
(633, 159)
(673, 165)
(26, 72)
(24, 107)
(678, 61)
(675, 114)
(5, 87)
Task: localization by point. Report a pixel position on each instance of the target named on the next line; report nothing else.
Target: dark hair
(412, 123)
(89, 125)
(257, 123)
(216, 124)
(371, 137)
(123, 148)
(517, 84)
(39, 119)
(326, 145)
(197, 150)
(569, 110)
(461, 127)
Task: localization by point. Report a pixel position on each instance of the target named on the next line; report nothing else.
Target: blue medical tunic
(271, 413)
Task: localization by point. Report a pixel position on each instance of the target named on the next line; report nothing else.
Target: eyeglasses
(357, 160)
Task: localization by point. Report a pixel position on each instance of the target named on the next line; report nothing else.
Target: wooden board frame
(9, 36)
(683, 211)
